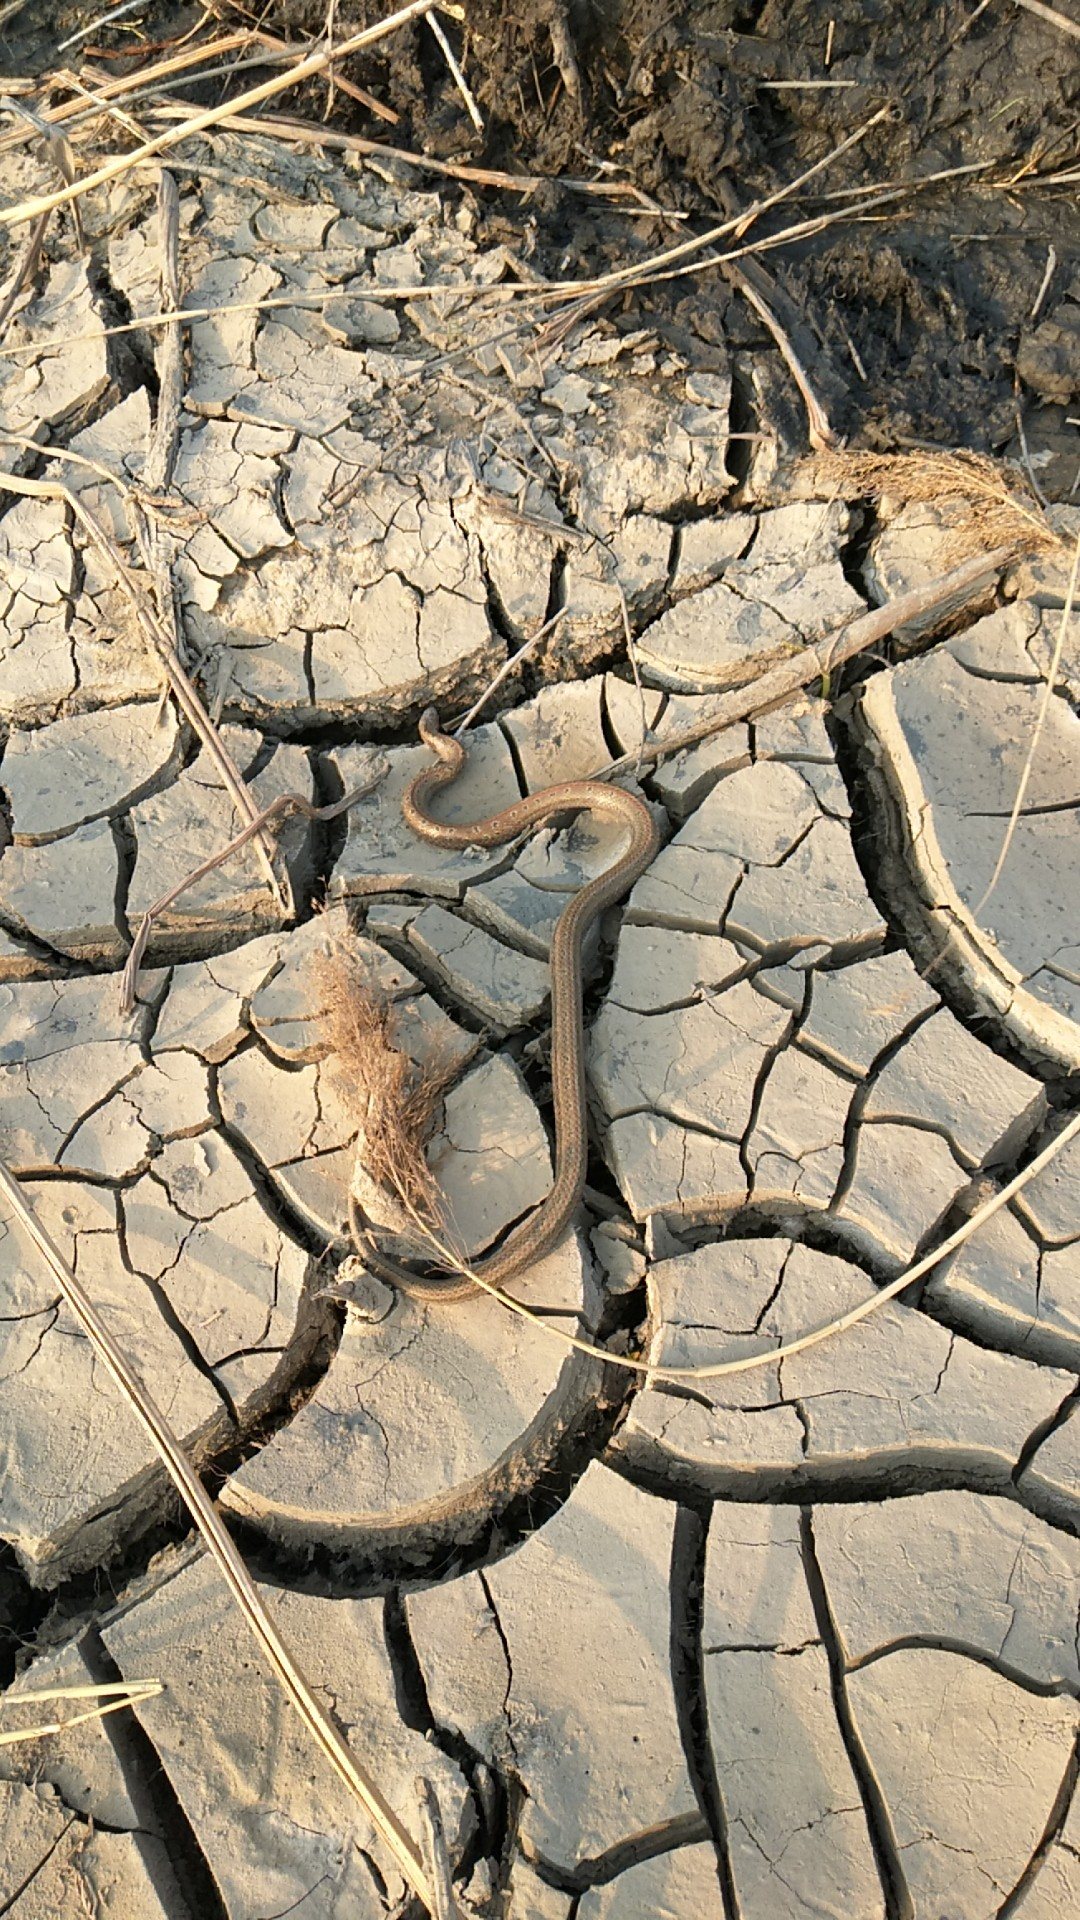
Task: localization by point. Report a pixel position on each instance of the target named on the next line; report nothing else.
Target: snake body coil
(545, 1227)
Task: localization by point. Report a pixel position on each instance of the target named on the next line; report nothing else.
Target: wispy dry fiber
(1001, 510)
(394, 1099)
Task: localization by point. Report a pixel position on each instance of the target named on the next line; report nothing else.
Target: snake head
(429, 725)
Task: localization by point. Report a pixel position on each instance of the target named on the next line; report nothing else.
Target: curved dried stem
(396, 1102)
(1040, 720)
(749, 1363)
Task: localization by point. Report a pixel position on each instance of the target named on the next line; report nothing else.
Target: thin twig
(507, 668)
(820, 432)
(458, 77)
(1025, 451)
(635, 668)
(310, 299)
(812, 663)
(104, 1690)
(101, 20)
(1044, 708)
(128, 1693)
(537, 292)
(738, 224)
(1048, 274)
(328, 34)
(671, 262)
(279, 809)
(67, 456)
(290, 127)
(161, 458)
(205, 1515)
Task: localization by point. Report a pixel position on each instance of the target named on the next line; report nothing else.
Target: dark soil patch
(914, 320)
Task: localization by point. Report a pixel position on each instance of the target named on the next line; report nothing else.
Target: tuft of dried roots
(395, 1100)
(1001, 509)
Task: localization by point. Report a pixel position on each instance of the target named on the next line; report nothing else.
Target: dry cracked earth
(804, 1640)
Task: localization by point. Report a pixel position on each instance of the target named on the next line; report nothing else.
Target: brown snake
(537, 1235)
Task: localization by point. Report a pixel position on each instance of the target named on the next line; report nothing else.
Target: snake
(545, 1226)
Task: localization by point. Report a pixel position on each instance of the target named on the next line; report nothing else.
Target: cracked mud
(801, 1641)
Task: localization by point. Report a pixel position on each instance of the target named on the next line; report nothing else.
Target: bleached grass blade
(816, 662)
(279, 809)
(1052, 15)
(749, 1363)
(112, 1697)
(1044, 708)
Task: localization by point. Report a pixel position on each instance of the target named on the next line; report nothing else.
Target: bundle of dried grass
(1001, 509)
(395, 1100)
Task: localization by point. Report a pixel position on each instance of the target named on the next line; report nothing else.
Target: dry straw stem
(658, 266)
(749, 1363)
(459, 79)
(820, 432)
(111, 1697)
(518, 293)
(1051, 14)
(205, 1515)
(950, 590)
(303, 70)
(86, 103)
(89, 102)
(1040, 718)
(582, 296)
(513, 660)
(738, 223)
(65, 454)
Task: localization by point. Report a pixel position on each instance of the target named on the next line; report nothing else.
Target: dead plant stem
(812, 663)
(1040, 719)
(205, 1515)
(1051, 14)
(279, 809)
(303, 70)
